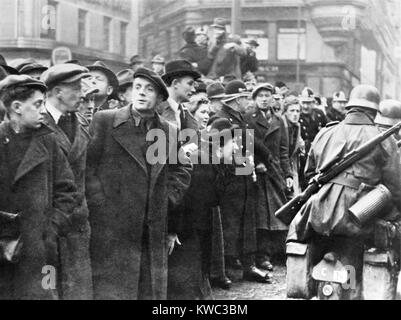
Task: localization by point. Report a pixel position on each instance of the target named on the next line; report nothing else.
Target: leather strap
(347, 180)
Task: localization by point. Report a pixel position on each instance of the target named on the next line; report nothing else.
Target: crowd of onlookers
(218, 222)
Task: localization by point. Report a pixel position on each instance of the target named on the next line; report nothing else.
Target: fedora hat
(179, 68)
(253, 43)
(102, 67)
(6, 67)
(219, 23)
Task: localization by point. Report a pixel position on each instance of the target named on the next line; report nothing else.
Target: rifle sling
(347, 180)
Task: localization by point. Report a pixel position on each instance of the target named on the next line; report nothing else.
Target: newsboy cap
(155, 79)
(14, 81)
(64, 73)
(263, 86)
(32, 67)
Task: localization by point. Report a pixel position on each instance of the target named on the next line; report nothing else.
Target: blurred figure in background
(136, 62)
(87, 105)
(158, 64)
(249, 62)
(337, 111)
(215, 94)
(125, 80)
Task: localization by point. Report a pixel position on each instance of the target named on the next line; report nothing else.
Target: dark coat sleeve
(94, 190)
(284, 151)
(64, 191)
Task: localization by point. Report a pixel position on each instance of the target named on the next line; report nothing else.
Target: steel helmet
(365, 96)
(390, 113)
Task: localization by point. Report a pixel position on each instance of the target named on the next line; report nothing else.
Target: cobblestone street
(244, 290)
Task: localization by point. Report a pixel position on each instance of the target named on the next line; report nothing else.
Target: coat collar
(36, 153)
(82, 136)
(235, 114)
(299, 138)
(358, 118)
(125, 132)
(271, 126)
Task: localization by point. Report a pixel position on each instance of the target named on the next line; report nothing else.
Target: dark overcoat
(74, 250)
(326, 212)
(43, 191)
(271, 138)
(238, 202)
(126, 197)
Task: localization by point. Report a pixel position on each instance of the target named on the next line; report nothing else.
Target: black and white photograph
(218, 151)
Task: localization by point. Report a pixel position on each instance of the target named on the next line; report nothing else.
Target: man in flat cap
(128, 195)
(37, 183)
(106, 82)
(125, 81)
(64, 97)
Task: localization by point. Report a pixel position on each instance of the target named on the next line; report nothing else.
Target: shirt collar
(173, 104)
(54, 112)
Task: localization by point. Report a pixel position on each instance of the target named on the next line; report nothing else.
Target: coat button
(6, 140)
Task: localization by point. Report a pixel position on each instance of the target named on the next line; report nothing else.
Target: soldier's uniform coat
(326, 212)
(74, 250)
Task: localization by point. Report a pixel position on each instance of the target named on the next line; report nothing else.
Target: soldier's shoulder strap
(332, 124)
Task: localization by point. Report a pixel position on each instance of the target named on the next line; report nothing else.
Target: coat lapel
(125, 133)
(172, 147)
(62, 138)
(34, 156)
(82, 138)
(273, 127)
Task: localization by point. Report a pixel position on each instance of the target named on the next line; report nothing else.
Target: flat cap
(155, 79)
(64, 73)
(125, 77)
(13, 81)
(263, 86)
(32, 67)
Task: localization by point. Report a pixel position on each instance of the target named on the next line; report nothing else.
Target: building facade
(334, 44)
(91, 29)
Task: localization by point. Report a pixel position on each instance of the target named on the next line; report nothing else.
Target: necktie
(182, 116)
(66, 124)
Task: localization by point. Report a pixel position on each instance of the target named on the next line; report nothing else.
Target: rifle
(288, 212)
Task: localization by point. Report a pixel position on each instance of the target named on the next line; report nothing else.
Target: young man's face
(144, 95)
(185, 88)
(31, 111)
(101, 82)
(71, 95)
(293, 113)
(264, 99)
(86, 107)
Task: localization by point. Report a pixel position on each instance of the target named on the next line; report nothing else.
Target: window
(106, 33)
(288, 43)
(49, 20)
(123, 38)
(82, 27)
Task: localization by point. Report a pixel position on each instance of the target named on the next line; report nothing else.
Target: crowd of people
(75, 166)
